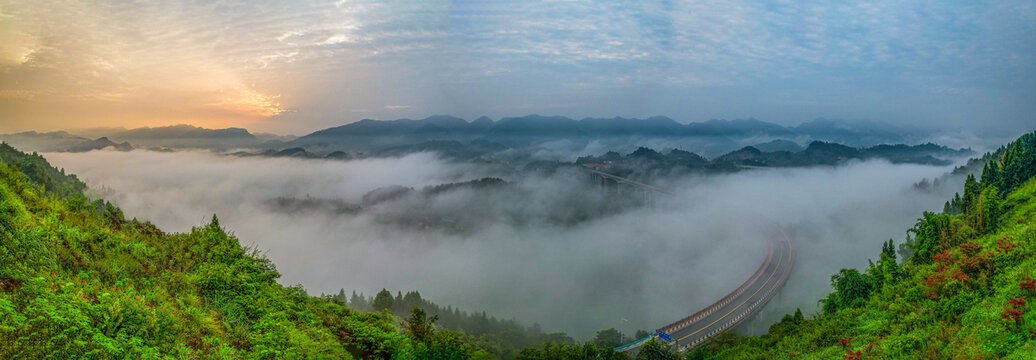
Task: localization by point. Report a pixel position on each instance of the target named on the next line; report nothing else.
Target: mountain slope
(965, 292)
(78, 280)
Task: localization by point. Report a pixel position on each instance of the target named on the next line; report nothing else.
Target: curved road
(732, 309)
(741, 304)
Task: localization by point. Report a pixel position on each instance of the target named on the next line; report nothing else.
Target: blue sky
(297, 66)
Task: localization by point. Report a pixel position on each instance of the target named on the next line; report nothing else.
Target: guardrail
(766, 298)
(692, 319)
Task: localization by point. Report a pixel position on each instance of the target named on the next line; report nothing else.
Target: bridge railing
(682, 323)
(766, 298)
(687, 321)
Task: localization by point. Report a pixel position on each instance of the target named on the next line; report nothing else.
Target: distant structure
(608, 181)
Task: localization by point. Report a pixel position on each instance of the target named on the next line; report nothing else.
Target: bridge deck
(734, 308)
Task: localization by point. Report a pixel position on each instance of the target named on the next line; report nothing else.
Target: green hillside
(966, 290)
(77, 280)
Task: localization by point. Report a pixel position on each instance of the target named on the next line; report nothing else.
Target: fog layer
(639, 268)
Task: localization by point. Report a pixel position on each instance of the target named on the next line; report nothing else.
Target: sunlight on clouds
(18, 94)
(250, 103)
(16, 48)
(229, 62)
(73, 64)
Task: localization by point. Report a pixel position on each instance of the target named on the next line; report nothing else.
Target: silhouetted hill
(858, 132)
(536, 125)
(183, 132)
(369, 127)
(369, 135)
(186, 137)
(736, 127)
(778, 145)
(98, 144)
(645, 162)
(656, 126)
(60, 141)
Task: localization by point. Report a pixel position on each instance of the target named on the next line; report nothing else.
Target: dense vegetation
(78, 280)
(963, 290)
(501, 338)
(39, 171)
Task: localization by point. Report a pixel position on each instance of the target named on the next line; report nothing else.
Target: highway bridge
(731, 310)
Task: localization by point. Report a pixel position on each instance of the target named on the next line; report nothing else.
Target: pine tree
(383, 301)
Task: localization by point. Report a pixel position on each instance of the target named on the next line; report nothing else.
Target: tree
(789, 323)
(930, 231)
(851, 286)
(986, 211)
(971, 191)
(556, 351)
(653, 350)
(358, 302)
(341, 296)
(397, 303)
(608, 338)
(851, 289)
(418, 327)
(411, 299)
(383, 300)
(886, 271)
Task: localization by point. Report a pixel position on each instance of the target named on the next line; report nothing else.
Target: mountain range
(534, 125)
(709, 138)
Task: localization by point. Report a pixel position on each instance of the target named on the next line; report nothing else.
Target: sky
(300, 66)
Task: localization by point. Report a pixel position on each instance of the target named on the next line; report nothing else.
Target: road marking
(780, 260)
(737, 292)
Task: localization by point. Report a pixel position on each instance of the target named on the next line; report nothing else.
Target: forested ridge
(78, 280)
(960, 286)
(501, 338)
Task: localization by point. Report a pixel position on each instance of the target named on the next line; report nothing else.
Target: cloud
(690, 60)
(396, 107)
(500, 251)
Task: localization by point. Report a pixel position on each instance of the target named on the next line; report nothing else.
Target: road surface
(733, 309)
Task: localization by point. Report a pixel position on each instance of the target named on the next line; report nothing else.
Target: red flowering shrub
(943, 257)
(1014, 311)
(970, 248)
(849, 353)
(1029, 284)
(1005, 244)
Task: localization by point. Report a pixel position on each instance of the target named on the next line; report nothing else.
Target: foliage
(851, 290)
(653, 350)
(555, 351)
(78, 280)
(965, 292)
(383, 301)
(39, 172)
(501, 338)
(610, 338)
